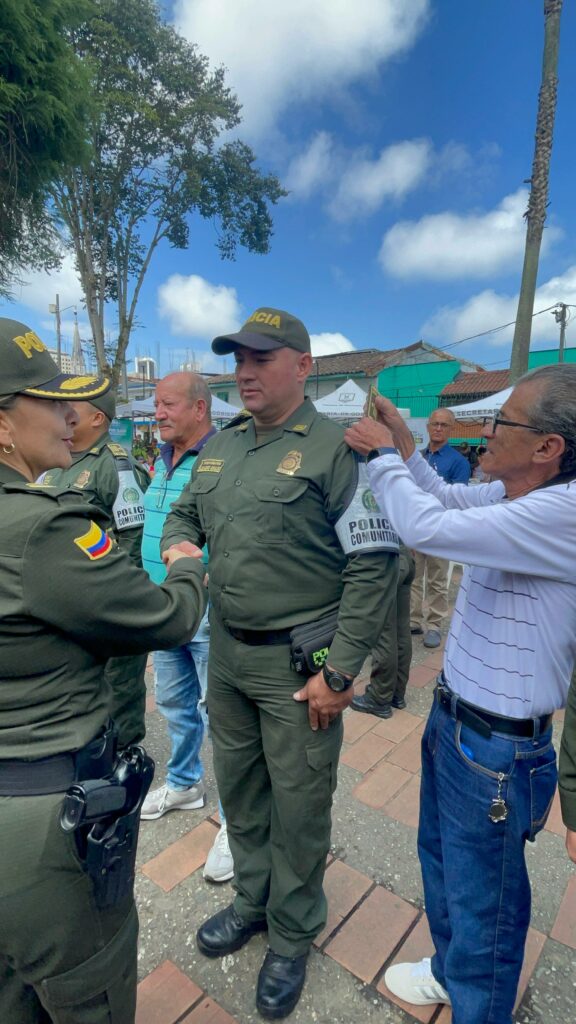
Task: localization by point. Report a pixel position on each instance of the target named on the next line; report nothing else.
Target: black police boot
(398, 702)
(280, 984)
(226, 932)
(370, 706)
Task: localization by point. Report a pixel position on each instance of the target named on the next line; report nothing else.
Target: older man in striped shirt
(488, 764)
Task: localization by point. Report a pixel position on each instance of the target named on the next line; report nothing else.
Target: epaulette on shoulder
(41, 490)
(117, 450)
(241, 420)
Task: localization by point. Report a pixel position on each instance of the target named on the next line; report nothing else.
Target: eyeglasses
(436, 423)
(495, 420)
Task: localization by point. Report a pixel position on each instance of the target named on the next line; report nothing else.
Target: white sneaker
(415, 983)
(219, 866)
(164, 799)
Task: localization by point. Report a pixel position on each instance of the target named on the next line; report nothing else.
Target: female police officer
(69, 599)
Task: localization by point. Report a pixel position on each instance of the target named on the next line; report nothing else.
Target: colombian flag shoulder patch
(95, 543)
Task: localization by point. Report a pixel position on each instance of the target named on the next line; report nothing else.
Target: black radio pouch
(310, 643)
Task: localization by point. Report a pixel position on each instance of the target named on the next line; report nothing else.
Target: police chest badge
(82, 479)
(290, 464)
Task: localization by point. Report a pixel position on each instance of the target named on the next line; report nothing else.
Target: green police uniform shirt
(284, 547)
(111, 480)
(70, 599)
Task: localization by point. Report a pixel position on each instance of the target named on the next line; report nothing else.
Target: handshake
(184, 549)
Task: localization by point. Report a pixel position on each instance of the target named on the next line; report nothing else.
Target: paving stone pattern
(375, 906)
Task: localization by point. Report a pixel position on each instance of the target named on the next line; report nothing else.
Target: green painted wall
(547, 356)
(417, 386)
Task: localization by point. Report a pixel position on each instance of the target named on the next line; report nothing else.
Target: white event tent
(483, 407)
(145, 407)
(346, 403)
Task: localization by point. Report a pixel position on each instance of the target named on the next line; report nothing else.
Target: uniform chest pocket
(280, 508)
(204, 487)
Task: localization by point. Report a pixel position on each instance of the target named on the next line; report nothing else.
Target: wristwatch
(335, 680)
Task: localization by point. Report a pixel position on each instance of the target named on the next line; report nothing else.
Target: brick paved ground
(373, 886)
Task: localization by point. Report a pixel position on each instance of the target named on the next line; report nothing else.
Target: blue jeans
(180, 683)
(476, 884)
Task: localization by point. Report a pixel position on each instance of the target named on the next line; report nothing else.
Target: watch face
(335, 681)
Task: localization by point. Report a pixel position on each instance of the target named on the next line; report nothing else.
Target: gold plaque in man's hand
(371, 410)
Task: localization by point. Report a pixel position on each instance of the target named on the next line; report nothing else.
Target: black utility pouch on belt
(310, 643)
(104, 814)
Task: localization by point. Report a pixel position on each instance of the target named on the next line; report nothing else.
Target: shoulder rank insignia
(117, 449)
(290, 464)
(82, 478)
(94, 543)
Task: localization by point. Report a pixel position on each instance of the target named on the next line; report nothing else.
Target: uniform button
(238, 483)
(226, 554)
(251, 452)
(230, 517)
(276, 491)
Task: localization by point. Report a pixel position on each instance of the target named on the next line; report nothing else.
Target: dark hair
(8, 401)
(553, 409)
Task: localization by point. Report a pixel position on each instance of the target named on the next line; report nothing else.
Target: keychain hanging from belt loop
(498, 809)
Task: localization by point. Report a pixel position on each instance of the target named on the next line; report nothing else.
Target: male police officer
(114, 482)
(292, 536)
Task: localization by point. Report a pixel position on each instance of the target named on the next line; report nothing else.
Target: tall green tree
(44, 91)
(538, 200)
(155, 161)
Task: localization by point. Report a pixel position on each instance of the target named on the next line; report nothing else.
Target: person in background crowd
(112, 480)
(392, 653)
(488, 762)
(70, 597)
(431, 575)
(183, 403)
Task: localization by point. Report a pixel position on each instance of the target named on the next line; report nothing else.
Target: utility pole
(560, 315)
(54, 307)
(538, 200)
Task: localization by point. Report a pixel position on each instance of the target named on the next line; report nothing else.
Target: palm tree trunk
(538, 201)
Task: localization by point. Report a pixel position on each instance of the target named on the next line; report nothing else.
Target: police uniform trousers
(62, 960)
(392, 652)
(432, 577)
(276, 778)
(126, 679)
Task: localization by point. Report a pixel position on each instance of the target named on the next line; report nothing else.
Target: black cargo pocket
(279, 510)
(101, 989)
(542, 789)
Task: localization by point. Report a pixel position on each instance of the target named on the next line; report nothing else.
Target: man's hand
(571, 844)
(182, 550)
(367, 435)
(323, 703)
(389, 416)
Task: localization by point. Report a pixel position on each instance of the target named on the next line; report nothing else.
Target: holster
(310, 643)
(104, 815)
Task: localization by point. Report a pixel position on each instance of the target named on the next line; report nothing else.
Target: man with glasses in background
(432, 573)
(183, 403)
(488, 763)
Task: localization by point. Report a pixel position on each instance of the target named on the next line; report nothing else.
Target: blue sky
(404, 132)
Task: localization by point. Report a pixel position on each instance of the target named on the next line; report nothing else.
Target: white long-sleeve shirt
(512, 640)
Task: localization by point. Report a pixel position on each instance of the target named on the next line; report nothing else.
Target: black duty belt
(485, 722)
(56, 773)
(260, 637)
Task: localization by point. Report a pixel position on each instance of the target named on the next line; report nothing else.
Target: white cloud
(448, 245)
(293, 51)
(41, 288)
(197, 309)
(310, 170)
(489, 309)
(327, 344)
(365, 184)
